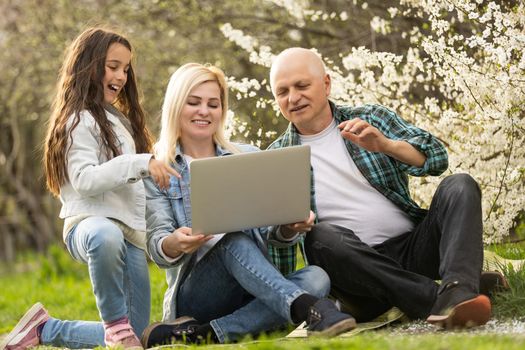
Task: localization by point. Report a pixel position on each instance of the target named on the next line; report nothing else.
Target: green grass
(376, 341)
(512, 303)
(63, 286)
(509, 250)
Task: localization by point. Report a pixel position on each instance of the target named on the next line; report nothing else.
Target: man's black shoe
(457, 307)
(325, 319)
(182, 330)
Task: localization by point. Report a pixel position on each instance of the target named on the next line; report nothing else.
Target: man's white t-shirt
(344, 196)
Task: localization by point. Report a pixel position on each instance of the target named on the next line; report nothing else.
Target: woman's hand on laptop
(182, 241)
(290, 230)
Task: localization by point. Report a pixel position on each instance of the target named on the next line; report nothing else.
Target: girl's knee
(104, 234)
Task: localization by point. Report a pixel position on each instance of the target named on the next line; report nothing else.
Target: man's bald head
(297, 56)
(301, 88)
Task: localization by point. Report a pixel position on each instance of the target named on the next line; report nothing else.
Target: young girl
(96, 155)
(224, 283)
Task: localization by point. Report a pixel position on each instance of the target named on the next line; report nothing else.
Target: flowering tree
(462, 78)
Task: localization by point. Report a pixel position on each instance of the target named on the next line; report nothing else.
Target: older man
(378, 246)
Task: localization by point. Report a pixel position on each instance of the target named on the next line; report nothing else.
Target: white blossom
(379, 25)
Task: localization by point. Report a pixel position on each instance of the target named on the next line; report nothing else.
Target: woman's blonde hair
(180, 85)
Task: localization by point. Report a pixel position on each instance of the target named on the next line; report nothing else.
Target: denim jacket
(167, 210)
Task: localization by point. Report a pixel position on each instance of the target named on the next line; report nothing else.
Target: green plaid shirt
(387, 175)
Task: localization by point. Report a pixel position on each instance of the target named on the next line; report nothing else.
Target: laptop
(249, 190)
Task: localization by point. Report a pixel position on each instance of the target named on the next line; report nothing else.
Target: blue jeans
(120, 278)
(238, 291)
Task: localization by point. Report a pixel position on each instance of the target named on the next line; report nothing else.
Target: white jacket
(101, 187)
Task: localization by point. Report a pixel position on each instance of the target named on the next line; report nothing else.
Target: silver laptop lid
(248, 190)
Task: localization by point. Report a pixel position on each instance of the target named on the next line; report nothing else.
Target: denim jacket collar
(180, 162)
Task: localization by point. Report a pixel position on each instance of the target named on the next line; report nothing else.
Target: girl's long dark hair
(80, 88)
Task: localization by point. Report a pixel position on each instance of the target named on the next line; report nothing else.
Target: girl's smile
(117, 64)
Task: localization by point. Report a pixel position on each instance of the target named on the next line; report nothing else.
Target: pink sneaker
(122, 335)
(25, 335)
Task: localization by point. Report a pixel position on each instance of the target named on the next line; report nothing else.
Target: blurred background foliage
(165, 34)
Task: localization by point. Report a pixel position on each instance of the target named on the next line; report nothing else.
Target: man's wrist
(285, 234)
(389, 147)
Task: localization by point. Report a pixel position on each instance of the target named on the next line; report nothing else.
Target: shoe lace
(120, 332)
(188, 331)
(313, 318)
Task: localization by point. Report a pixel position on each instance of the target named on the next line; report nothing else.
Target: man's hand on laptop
(182, 241)
(290, 230)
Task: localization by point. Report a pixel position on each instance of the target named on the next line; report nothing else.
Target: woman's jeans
(239, 292)
(120, 279)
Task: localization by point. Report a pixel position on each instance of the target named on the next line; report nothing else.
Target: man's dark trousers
(401, 271)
